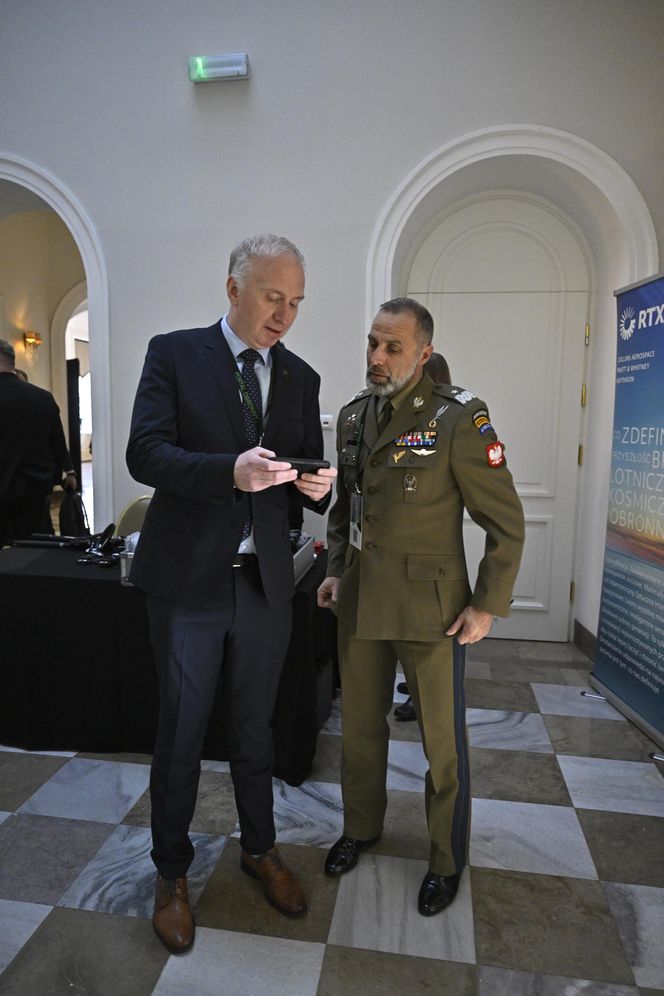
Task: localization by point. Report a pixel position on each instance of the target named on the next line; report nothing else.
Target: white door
(506, 279)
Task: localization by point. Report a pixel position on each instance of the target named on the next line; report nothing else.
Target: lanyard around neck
(251, 408)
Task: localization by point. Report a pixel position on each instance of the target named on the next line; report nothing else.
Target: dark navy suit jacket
(186, 433)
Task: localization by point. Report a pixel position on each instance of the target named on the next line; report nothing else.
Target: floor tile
(227, 962)
(75, 952)
(353, 972)
(478, 669)
(37, 753)
(505, 695)
(326, 765)
(90, 790)
(508, 730)
(332, 724)
(537, 650)
(619, 786)
(232, 900)
(120, 878)
(18, 922)
(405, 833)
(522, 836)
(406, 766)
(377, 908)
(22, 774)
(544, 672)
(567, 700)
(519, 775)
(507, 982)
(639, 912)
(625, 847)
(597, 738)
(310, 813)
(215, 811)
(29, 845)
(541, 923)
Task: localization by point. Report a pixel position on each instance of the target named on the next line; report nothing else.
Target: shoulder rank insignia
(417, 438)
(463, 397)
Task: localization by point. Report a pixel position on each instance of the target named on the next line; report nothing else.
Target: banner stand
(627, 712)
(629, 662)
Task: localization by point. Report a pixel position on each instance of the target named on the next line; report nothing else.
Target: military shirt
(438, 454)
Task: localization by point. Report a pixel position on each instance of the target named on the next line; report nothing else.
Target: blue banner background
(630, 656)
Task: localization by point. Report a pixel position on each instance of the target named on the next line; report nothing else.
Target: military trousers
(434, 673)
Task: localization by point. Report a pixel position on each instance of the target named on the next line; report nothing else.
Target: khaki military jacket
(409, 581)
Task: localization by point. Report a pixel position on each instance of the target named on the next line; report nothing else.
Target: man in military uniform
(412, 455)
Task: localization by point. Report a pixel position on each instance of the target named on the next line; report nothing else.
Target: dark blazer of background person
(33, 455)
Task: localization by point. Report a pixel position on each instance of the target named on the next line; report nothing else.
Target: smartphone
(302, 465)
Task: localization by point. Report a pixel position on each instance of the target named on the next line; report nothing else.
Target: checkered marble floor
(564, 894)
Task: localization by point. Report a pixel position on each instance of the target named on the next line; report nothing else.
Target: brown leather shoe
(280, 886)
(172, 919)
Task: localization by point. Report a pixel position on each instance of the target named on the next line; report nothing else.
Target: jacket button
(371, 490)
(370, 518)
(441, 572)
(374, 462)
(370, 546)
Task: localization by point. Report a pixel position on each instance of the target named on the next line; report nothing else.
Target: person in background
(33, 453)
(412, 456)
(214, 406)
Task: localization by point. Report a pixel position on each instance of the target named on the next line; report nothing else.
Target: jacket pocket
(437, 590)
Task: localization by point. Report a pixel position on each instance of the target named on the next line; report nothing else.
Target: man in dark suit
(412, 456)
(213, 406)
(33, 452)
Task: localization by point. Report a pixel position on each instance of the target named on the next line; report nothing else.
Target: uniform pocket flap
(436, 567)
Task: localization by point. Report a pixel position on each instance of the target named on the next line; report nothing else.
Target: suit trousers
(434, 673)
(240, 640)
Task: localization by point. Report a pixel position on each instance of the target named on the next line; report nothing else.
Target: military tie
(252, 411)
(384, 414)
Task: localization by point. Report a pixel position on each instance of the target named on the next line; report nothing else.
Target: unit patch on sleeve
(481, 420)
(495, 454)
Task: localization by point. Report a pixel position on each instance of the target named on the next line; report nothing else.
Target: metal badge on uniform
(350, 419)
(495, 454)
(355, 534)
(418, 402)
(410, 482)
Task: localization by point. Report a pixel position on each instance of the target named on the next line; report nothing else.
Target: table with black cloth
(77, 672)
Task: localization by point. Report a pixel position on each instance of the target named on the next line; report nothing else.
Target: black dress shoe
(437, 892)
(402, 688)
(344, 854)
(405, 712)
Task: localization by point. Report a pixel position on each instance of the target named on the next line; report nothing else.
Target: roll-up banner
(629, 669)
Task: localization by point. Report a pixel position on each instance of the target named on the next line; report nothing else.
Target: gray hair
(423, 319)
(7, 352)
(260, 247)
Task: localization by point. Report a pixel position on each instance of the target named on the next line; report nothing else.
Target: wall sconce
(32, 341)
(207, 68)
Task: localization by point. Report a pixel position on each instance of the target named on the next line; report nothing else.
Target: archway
(74, 216)
(590, 188)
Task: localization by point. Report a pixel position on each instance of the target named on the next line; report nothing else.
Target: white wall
(344, 101)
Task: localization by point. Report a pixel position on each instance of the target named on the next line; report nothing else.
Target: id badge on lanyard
(355, 537)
